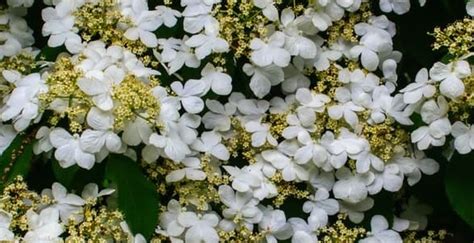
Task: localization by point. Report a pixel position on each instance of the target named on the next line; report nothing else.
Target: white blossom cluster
(445, 80)
(16, 35)
(47, 222)
(200, 124)
(15, 38)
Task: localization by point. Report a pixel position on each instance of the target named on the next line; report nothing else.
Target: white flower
(136, 132)
(201, 228)
(207, 43)
(360, 85)
(389, 69)
(347, 145)
(416, 212)
(352, 144)
(355, 211)
(299, 123)
(264, 54)
(91, 192)
(173, 146)
(400, 224)
(434, 134)
(294, 79)
(268, 9)
(67, 204)
(16, 34)
(245, 179)
(369, 58)
(434, 113)
(308, 99)
(197, 15)
(322, 60)
(43, 143)
(99, 85)
(97, 57)
(20, 3)
(252, 110)
(319, 18)
(176, 54)
(390, 179)
(177, 135)
(412, 167)
(470, 7)
(144, 23)
(289, 169)
(320, 206)
(350, 4)
(240, 205)
(22, 105)
(136, 67)
(464, 137)
(186, 127)
(7, 134)
(59, 25)
(380, 232)
(391, 106)
(433, 110)
(68, 150)
(260, 134)
(346, 108)
(375, 39)
(191, 171)
(422, 87)
(168, 15)
(215, 79)
(337, 154)
(189, 94)
(303, 232)
(351, 188)
(253, 178)
(295, 43)
(322, 179)
(450, 76)
(397, 6)
(310, 151)
(138, 238)
(93, 141)
(274, 223)
(168, 220)
(43, 227)
(218, 117)
(5, 221)
(367, 160)
(10, 46)
(194, 7)
(210, 143)
(263, 78)
(279, 105)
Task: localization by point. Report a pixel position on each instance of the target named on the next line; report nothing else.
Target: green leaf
(65, 176)
(447, 58)
(50, 53)
(22, 164)
(137, 197)
(384, 205)
(16, 159)
(75, 178)
(459, 184)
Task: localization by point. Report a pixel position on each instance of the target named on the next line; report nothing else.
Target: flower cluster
(443, 96)
(236, 111)
(56, 214)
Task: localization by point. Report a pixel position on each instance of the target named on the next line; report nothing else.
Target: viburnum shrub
(237, 121)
